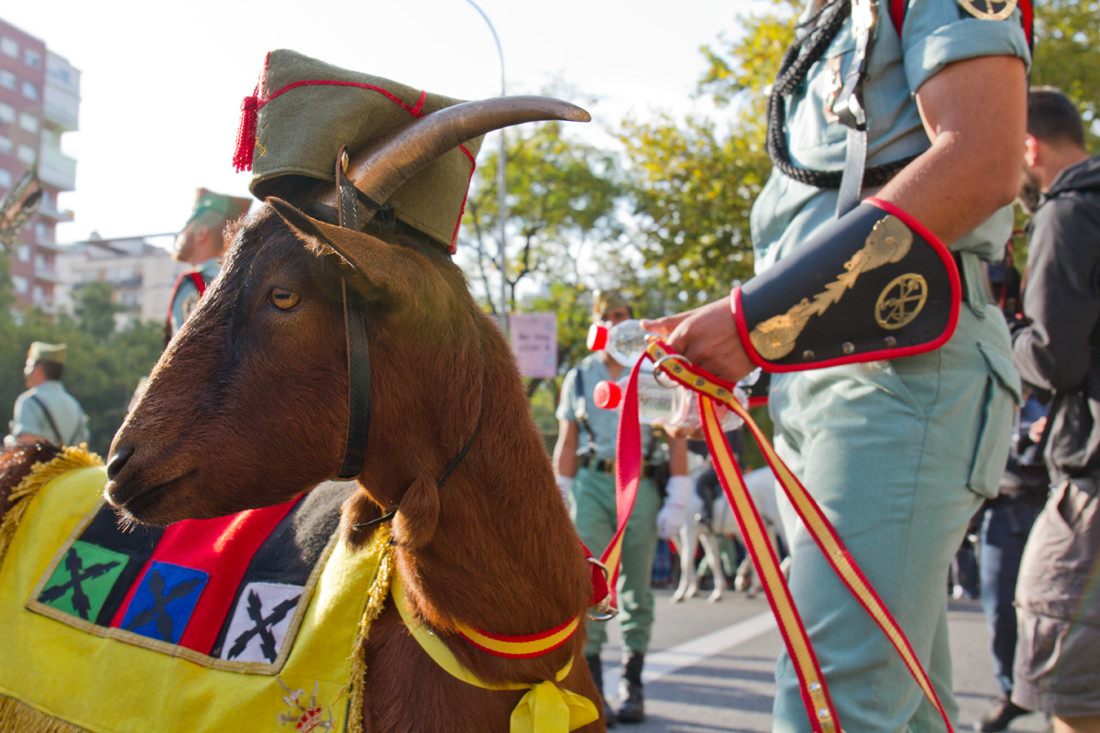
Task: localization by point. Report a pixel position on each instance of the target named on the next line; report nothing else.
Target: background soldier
(201, 243)
(584, 461)
(46, 411)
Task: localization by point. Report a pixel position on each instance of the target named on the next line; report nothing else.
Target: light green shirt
(67, 414)
(935, 33)
(581, 408)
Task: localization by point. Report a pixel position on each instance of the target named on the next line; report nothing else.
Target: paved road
(710, 667)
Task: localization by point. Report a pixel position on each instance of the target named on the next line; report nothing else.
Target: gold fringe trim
(376, 602)
(69, 459)
(18, 716)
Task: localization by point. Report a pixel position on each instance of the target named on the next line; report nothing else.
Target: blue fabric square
(164, 601)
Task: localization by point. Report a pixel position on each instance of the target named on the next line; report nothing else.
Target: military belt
(606, 465)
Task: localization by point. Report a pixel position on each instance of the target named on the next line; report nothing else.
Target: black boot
(630, 689)
(999, 716)
(596, 668)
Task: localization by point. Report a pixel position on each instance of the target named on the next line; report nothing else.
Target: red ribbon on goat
(711, 391)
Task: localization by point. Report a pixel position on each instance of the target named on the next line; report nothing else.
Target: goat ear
(417, 514)
(383, 264)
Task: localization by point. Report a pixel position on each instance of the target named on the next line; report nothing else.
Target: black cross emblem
(158, 610)
(262, 626)
(77, 575)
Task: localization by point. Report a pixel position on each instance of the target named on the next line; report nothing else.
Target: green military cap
(304, 110)
(605, 300)
(226, 208)
(41, 351)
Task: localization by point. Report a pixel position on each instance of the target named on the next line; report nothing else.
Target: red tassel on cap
(246, 133)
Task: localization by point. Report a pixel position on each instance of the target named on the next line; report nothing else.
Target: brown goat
(248, 407)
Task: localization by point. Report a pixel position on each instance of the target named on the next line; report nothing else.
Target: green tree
(560, 198)
(103, 364)
(694, 182)
(1067, 51)
(7, 297)
(96, 309)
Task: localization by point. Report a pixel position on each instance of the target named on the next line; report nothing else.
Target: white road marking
(663, 663)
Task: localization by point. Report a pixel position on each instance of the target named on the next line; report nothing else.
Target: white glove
(565, 486)
(671, 517)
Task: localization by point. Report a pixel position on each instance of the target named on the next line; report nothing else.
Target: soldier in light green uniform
(201, 243)
(584, 461)
(893, 387)
(46, 411)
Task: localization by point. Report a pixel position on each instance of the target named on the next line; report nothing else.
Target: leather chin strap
(359, 392)
(358, 347)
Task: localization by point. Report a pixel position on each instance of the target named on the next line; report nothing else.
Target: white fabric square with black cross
(260, 621)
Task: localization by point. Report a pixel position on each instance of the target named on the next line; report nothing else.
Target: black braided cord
(794, 67)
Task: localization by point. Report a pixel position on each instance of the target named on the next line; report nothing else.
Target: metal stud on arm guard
(874, 284)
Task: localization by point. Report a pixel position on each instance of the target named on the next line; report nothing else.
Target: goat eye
(284, 299)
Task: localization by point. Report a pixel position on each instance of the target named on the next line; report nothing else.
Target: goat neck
(475, 550)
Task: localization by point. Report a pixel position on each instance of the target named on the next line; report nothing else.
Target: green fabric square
(82, 580)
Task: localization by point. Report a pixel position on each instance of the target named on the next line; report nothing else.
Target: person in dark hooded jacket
(1058, 591)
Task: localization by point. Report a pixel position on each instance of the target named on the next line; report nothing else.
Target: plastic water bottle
(670, 407)
(625, 341)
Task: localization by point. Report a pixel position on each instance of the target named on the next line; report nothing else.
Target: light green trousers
(899, 454)
(594, 514)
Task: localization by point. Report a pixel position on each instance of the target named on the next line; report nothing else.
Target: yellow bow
(544, 708)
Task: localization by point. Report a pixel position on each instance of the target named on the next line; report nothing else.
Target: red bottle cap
(597, 337)
(607, 395)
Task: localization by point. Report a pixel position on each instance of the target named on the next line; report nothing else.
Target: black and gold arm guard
(875, 284)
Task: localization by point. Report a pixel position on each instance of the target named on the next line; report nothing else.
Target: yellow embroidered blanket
(109, 630)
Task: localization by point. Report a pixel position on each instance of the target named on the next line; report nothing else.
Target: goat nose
(118, 459)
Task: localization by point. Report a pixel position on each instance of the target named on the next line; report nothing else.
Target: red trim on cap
(325, 82)
(465, 196)
(250, 107)
(952, 321)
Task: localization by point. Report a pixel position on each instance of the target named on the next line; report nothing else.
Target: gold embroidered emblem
(989, 9)
(888, 242)
(901, 301)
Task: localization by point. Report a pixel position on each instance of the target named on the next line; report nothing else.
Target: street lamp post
(502, 206)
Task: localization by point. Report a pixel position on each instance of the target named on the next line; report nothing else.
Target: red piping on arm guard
(904, 299)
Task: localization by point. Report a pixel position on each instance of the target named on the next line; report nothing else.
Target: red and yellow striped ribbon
(712, 390)
(520, 647)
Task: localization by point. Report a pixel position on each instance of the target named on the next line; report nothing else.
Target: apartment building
(39, 102)
(141, 274)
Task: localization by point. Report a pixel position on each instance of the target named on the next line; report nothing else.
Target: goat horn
(381, 171)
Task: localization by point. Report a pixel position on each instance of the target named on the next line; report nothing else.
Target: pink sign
(535, 343)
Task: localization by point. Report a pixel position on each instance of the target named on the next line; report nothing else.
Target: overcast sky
(162, 82)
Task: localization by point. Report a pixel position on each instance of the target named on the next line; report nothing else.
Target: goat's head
(248, 406)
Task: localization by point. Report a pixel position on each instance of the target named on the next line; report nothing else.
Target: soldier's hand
(708, 337)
